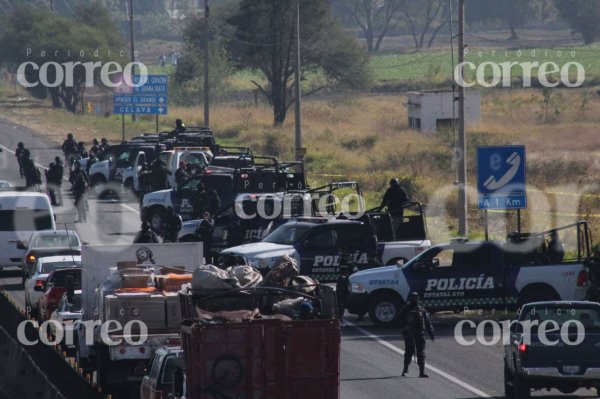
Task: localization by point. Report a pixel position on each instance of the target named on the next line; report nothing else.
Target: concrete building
(429, 111)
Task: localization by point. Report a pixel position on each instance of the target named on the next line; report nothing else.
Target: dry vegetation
(366, 138)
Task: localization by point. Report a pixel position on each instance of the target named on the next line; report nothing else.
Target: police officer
(80, 186)
(51, 183)
(173, 223)
(181, 174)
(394, 199)
(212, 201)
(179, 128)
(145, 235)
(159, 174)
(31, 172)
(60, 172)
(69, 148)
(204, 232)
(81, 151)
(415, 322)
(19, 154)
(556, 248)
(95, 150)
(104, 144)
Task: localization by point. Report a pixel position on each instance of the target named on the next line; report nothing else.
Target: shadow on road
(391, 377)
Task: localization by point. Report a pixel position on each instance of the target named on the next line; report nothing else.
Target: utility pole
(206, 55)
(461, 143)
(131, 42)
(297, 114)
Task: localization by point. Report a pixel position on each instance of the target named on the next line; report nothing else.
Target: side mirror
(21, 245)
(435, 262)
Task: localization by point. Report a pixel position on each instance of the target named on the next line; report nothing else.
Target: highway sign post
(501, 182)
(148, 99)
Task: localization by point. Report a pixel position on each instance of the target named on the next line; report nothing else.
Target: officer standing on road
(19, 154)
(80, 185)
(32, 174)
(173, 223)
(81, 151)
(205, 233)
(51, 183)
(146, 235)
(394, 199)
(415, 322)
(60, 172)
(69, 148)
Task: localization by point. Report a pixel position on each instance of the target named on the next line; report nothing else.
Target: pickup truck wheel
(521, 388)
(384, 309)
(508, 383)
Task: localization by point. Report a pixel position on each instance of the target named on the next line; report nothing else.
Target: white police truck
(464, 274)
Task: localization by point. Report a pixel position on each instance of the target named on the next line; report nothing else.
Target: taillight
(522, 348)
(582, 279)
(39, 283)
(142, 349)
(244, 176)
(30, 258)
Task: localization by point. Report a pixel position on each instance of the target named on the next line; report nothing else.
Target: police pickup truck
(320, 246)
(114, 161)
(476, 275)
(553, 345)
(271, 176)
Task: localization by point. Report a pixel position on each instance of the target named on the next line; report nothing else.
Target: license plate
(571, 370)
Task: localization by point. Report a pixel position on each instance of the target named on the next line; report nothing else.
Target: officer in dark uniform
(19, 154)
(104, 144)
(69, 148)
(96, 149)
(80, 186)
(81, 151)
(179, 128)
(60, 173)
(394, 199)
(173, 223)
(145, 235)
(415, 322)
(159, 174)
(204, 232)
(29, 170)
(181, 174)
(51, 178)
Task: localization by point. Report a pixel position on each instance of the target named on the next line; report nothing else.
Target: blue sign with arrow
(148, 99)
(501, 177)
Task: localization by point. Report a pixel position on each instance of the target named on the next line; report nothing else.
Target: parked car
(67, 313)
(158, 382)
(47, 243)
(34, 283)
(58, 282)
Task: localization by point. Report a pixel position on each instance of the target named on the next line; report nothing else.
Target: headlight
(357, 288)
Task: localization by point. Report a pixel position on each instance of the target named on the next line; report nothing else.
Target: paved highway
(372, 358)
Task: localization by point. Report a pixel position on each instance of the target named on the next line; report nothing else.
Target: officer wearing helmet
(394, 199)
(69, 148)
(95, 150)
(19, 152)
(179, 128)
(415, 322)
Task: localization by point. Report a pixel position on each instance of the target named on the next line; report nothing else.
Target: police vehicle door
(137, 167)
(185, 198)
(320, 254)
(452, 278)
(357, 246)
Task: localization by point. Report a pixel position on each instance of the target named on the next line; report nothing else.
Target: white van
(21, 213)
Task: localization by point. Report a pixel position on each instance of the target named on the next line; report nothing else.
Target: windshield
(589, 317)
(75, 304)
(55, 241)
(25, 220)
(288, 234)
(50, 266)
(194, 158)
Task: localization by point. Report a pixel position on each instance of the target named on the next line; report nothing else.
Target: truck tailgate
(567, 358)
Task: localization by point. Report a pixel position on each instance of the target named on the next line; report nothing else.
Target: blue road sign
(501, 177)
(141, 99)
(155, 84)
(148, 99)
(140, 109)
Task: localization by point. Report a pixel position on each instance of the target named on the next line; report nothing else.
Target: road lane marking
(429, 367)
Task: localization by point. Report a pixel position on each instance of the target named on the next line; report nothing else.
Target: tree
(512, 13)
(264, 39)
(582, 16)
(374, 17)
(41, 37)
(425, 17)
